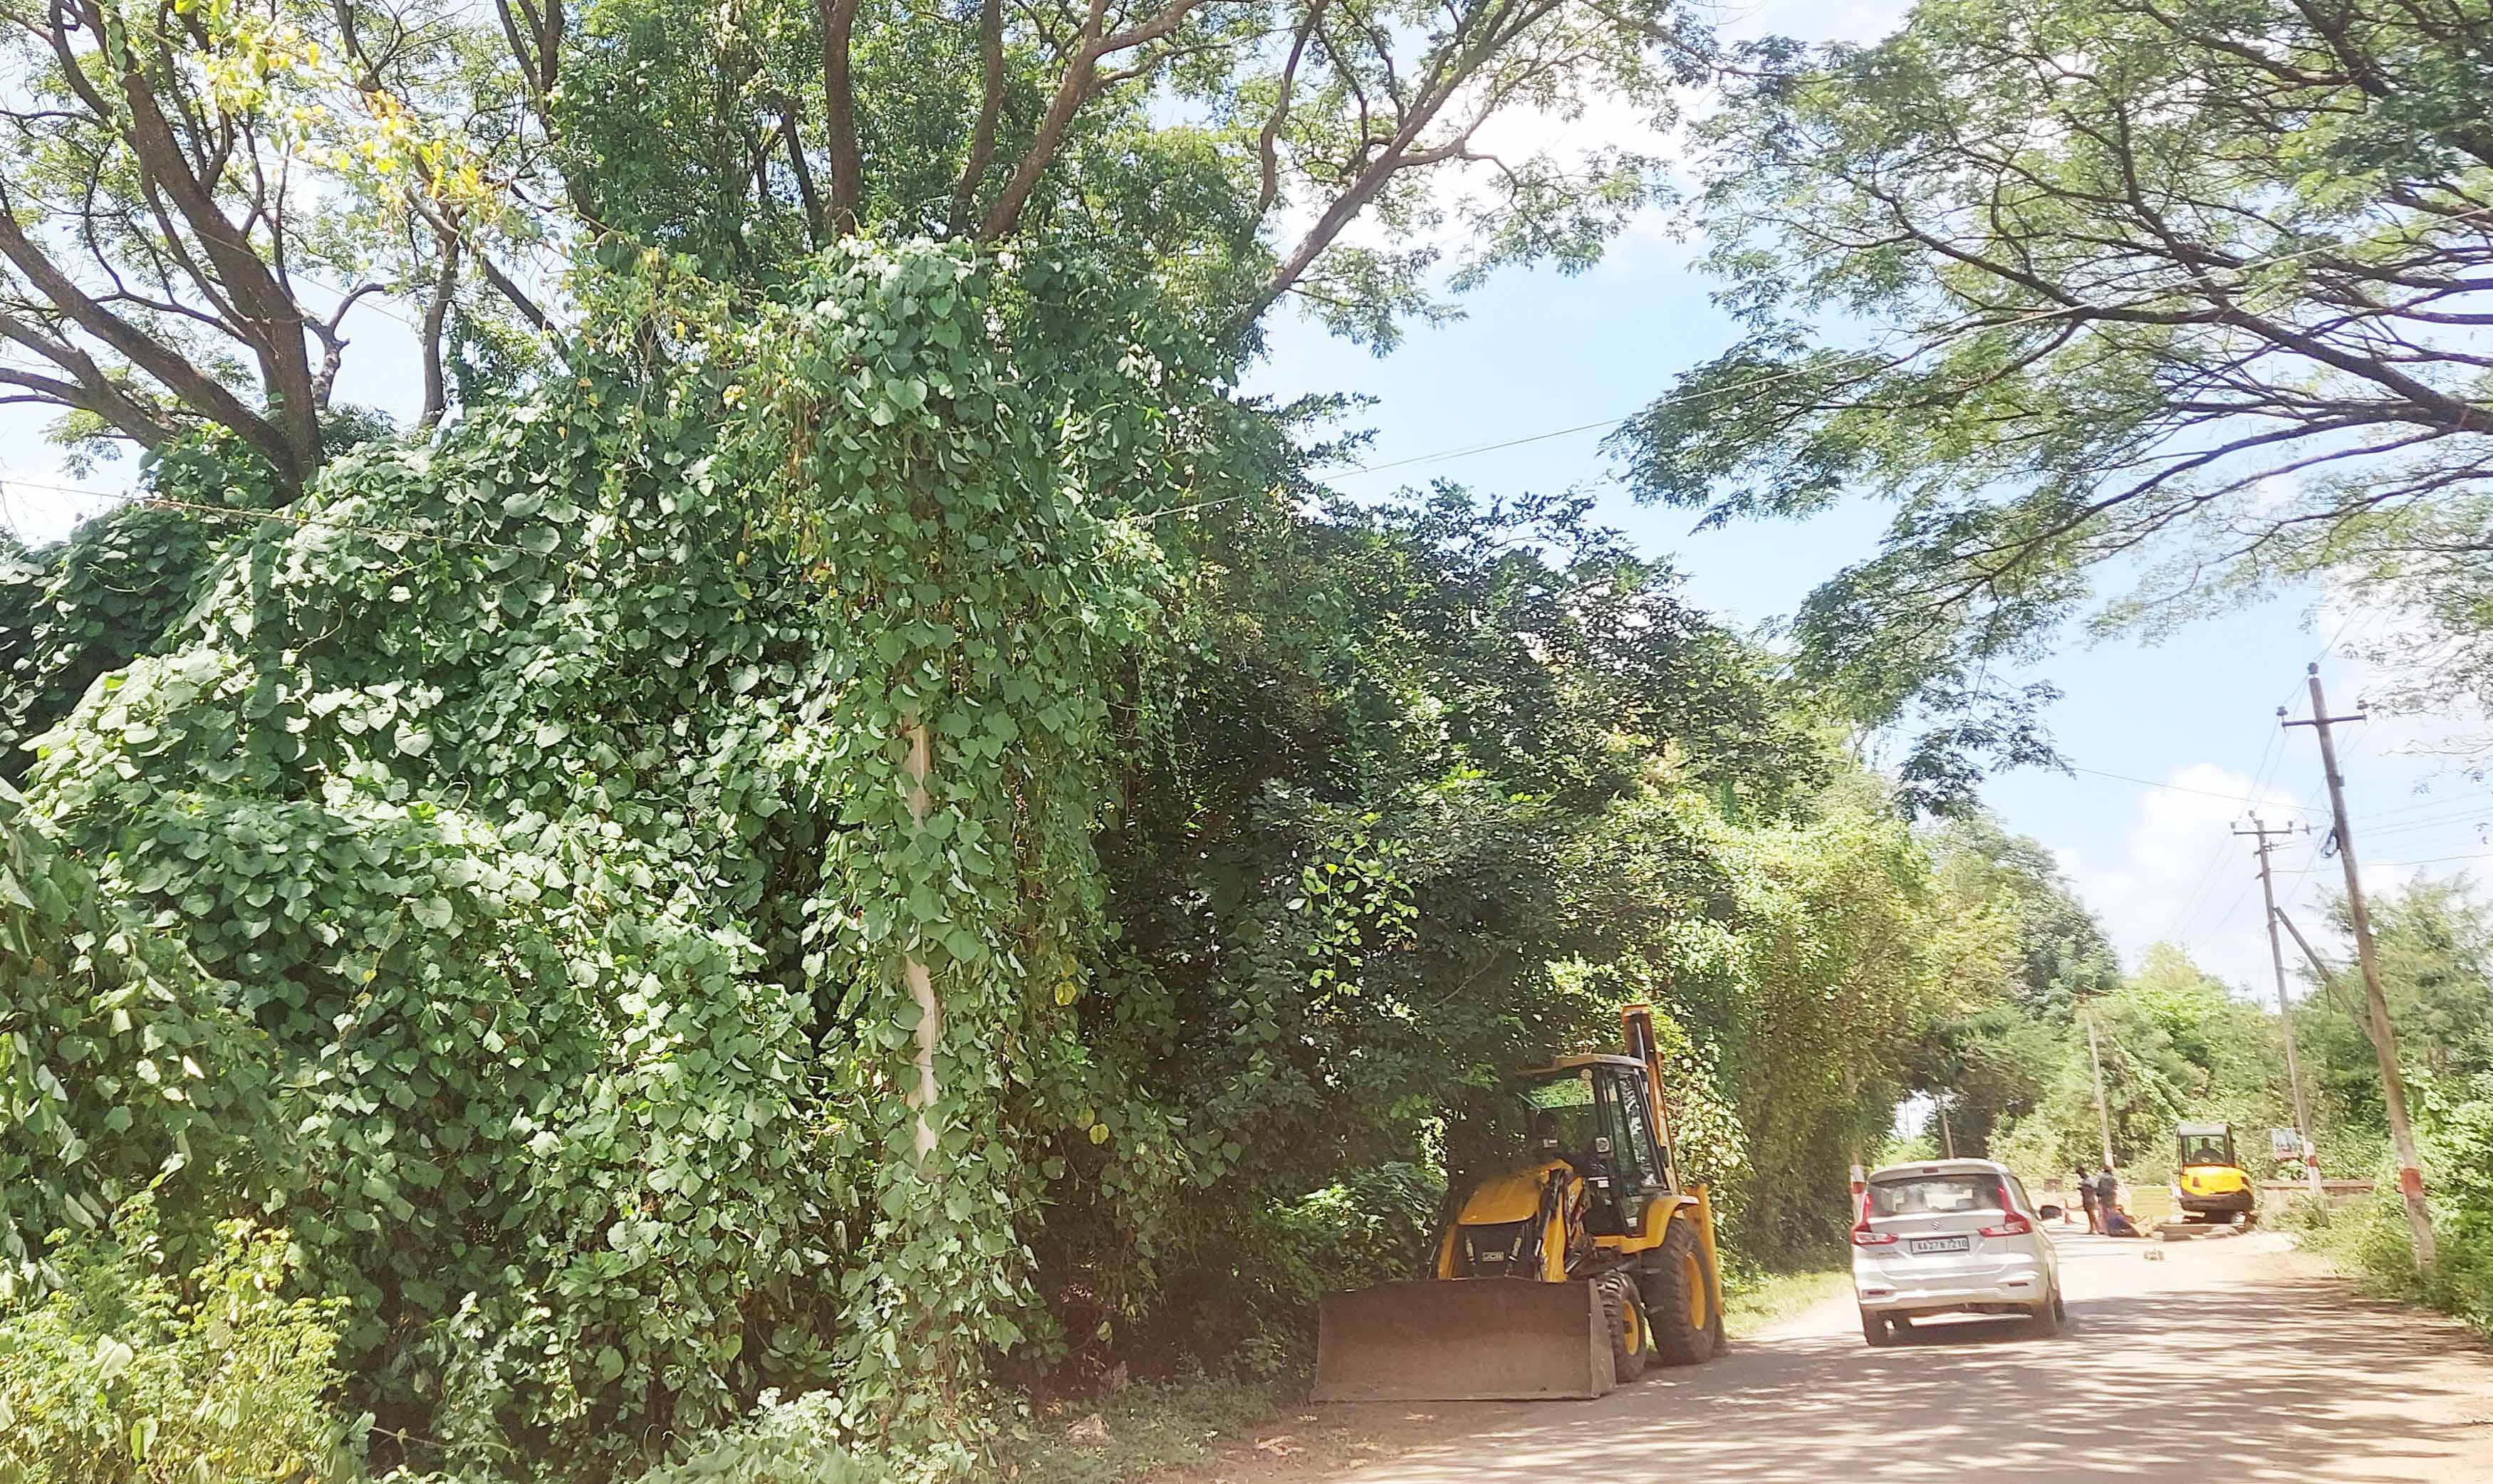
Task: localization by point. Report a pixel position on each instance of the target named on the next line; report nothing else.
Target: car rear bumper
(2012, 1292)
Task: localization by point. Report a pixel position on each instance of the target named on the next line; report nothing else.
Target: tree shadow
(2189, 1384)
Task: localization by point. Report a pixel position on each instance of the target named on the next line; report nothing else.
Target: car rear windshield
(1937, 1195)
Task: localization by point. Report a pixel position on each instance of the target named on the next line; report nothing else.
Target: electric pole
(1947, 1134)
(2384, 1040)
(2103, 1118)
(2304, 1132)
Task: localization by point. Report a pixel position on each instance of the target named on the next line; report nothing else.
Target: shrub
(124, 1373)
(783, 1442)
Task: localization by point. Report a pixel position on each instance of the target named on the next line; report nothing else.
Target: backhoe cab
(1571, 1256)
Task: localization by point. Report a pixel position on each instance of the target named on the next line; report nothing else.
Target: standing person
(2107, 1196)
(2087, 1198)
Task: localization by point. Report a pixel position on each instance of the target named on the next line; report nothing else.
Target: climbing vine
(649, 830)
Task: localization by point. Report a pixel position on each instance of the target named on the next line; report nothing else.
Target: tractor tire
(1630, 1337)
(1680, 1288)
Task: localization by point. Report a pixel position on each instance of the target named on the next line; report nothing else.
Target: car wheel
(2059, 1305)
(1874, 1329)
(2043, 1321)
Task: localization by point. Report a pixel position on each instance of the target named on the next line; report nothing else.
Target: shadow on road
(2209, 1384)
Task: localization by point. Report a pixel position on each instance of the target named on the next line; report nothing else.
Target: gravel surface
(2222, 1359)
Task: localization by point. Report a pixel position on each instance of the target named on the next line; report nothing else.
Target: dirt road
(2228, 1360)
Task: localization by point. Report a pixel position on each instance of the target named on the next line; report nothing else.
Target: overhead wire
(240, 513)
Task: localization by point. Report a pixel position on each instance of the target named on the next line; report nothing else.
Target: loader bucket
(1459, 1340)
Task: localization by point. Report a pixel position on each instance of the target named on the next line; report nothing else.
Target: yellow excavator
(1568, 1261)
(2208, 1183)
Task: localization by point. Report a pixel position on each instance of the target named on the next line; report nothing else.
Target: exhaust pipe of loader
(1463, 1340)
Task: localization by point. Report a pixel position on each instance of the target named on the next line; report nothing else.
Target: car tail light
(2010, 1224)
(1862, 1236)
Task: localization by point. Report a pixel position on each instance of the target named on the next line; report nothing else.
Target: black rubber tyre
(1680, 1292)
(2043, 1321)
(2059, 1307)
(1630, 1339)
(1875, 1330)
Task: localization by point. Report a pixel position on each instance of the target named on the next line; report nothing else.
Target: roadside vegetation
(2436, 946)
(841, 848)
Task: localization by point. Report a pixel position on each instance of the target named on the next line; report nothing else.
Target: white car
(1951, 1236)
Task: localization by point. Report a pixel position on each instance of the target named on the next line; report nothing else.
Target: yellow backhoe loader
(1568, 1261)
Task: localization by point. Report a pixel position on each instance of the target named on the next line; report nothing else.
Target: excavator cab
(2209, 1181)
(1569, 1257)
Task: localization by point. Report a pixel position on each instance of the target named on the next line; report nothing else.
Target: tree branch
(436, 312)
(186, 381)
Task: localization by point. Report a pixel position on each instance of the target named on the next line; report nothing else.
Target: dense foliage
(2431, 940)
(879, 830)
(135, 1369)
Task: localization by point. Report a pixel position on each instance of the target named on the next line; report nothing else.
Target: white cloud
(2182, 877)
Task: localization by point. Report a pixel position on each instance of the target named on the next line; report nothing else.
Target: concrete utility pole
(2103, 1118)
(2303, 1131)
(2384, 1040)
(1947, 1135)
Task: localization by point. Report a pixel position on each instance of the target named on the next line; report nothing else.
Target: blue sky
(2193, 716)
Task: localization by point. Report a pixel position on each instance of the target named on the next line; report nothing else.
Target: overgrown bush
(128, 1371)
(123, 1064)
(2374, 1240)
(537, 803)
(799, 1442)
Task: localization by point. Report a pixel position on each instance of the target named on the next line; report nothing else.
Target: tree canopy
(2189, 292)
(211, 199)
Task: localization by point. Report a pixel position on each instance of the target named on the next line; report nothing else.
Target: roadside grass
(2368, 1243)
(1139, 1430)
(1754, 1301)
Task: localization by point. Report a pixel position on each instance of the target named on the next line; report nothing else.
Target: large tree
(206, 200)
(2197, 284)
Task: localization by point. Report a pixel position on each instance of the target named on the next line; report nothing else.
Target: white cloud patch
(2182, 877)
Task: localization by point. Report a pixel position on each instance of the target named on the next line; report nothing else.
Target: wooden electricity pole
(2304, 1132)
(2384, 1040)
(2103, 1118)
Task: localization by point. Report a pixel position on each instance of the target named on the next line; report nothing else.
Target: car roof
(1940, 1167)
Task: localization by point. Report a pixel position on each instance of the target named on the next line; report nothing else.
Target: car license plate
(1922, 1245)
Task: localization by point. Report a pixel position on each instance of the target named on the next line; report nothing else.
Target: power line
(2435, 860)
(2205, 793)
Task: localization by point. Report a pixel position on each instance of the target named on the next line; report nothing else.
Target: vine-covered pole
(921, 985)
